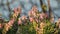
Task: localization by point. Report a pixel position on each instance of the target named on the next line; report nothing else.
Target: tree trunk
(41, 3)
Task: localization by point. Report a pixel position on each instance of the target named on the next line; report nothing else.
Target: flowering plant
(35, 23)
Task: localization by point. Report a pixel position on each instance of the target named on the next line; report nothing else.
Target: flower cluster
(35, 17)
(34, 22)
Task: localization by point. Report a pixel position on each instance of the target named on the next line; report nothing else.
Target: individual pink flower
(34, 8)
(15, 13)
(17, 10)
(59, 19)
(52, 20)
(36, 20)
(41, 16)
(31, 19)
(33, 13)
(46, 16)
(30, 13)
(0, 25)
(11, 22)
(23, 17)
(19, 21)
(7, 26)
(59, 25)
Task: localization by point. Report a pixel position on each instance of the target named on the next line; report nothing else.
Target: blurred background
(26, 5)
